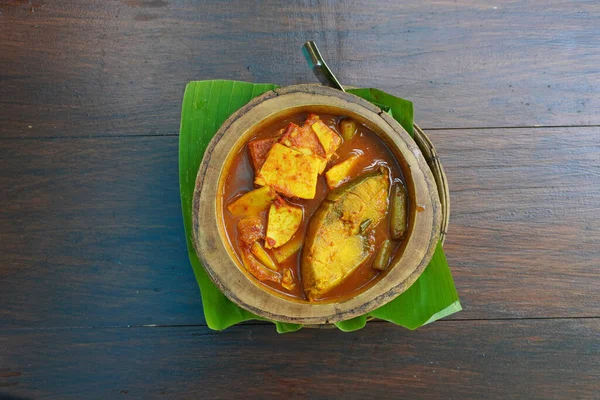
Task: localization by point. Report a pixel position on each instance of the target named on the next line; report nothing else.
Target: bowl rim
(224, 268)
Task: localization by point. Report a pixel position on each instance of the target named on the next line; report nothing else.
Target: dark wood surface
(76, 68)
(91, 228)
(97, 298)
(451, 359)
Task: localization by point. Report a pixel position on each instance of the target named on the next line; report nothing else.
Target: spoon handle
(319, 66)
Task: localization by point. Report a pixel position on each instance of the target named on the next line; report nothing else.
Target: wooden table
(97, 297)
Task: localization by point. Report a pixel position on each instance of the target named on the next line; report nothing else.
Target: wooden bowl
(219, 258)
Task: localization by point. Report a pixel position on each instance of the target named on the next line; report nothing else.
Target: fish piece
(334, 245)
(340, 172)
(284, 220)
(253, 202)
(290, 172)
(258, 151)
(369, 190)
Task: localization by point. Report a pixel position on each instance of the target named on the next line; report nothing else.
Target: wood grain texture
(92, 234)
(549, 359)
(525, 220)
(119, 67)
(91, 237)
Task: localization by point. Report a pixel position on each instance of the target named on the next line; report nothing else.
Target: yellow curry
(315, 206)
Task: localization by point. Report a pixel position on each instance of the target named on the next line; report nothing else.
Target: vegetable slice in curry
(312, 209)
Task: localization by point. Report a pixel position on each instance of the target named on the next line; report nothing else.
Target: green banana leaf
(206, 105)
(401, 110)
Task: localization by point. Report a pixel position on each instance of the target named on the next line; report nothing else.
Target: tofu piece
(328, 138)
(305, 141)
(302, 139)
(283, 222)
(253, 202)
(290, 172)
(258, 151)
(340, 173)
(311, 119)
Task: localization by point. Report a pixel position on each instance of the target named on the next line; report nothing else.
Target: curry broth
(373, 155)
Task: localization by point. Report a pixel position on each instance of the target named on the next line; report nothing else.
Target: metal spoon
(319, 66)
